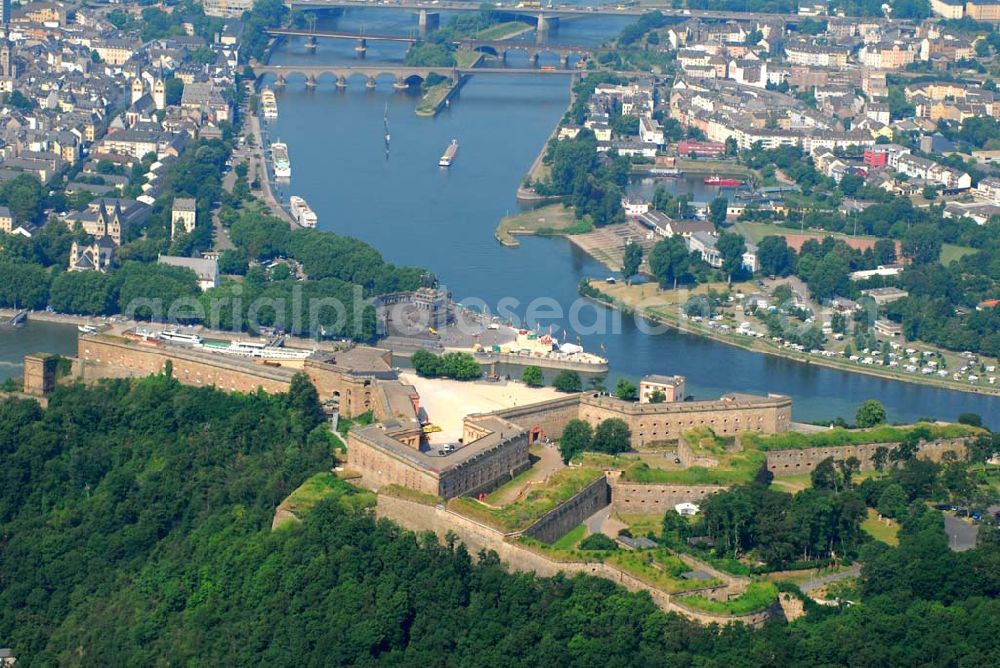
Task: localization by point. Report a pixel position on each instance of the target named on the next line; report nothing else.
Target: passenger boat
(666, 171)
(86, 329)
(256, 350)
(268, 103)
(449, 154)
(301, 212)
(282, 165)
(175, 336)
(716, 180)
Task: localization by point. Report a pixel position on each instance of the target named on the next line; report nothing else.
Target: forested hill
(136, 531)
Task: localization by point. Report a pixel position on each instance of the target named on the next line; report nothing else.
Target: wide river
(416, 213)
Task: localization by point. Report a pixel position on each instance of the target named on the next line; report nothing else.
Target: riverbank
(260, 156)
(539, 171)
(633, 299)
(437, 96)
(548, 220)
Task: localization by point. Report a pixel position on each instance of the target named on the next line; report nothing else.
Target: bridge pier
(428, 21)
(311, 81)
(370, 84)
(362, 48)
(534, 60)
(280, 81)
(311, 44)
(545, 24)
(341, 82)
(564, 61)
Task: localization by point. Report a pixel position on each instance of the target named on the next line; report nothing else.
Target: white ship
(282, 165)
(449, 154)
(256, 350)
(175, 336)
(268, 103)
(301, 212)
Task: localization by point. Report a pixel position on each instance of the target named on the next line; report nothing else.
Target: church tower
(160, 93)
(138, 90)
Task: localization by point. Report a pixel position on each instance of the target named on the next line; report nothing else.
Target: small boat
(86, 329)
(716, 180)
(449, 154)
(385, 122)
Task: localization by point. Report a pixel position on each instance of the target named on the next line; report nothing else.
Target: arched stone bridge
(493, 47)
(401, 76)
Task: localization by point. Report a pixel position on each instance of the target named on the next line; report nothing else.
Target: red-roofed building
(989, 303)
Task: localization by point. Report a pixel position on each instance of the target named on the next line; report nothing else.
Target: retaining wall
(656, 499)
(804, 460)
(441, 521)
(558, 522)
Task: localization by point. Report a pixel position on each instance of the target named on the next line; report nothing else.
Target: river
(418, 214)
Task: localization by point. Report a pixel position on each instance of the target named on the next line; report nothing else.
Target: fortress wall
(440, 521)
(378, 467)
(104, 357)
(643, 498)
(550, 417)
(655, 423)
(558, 522)
(804, 460)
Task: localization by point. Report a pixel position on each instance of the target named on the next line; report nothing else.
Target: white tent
(687, 509)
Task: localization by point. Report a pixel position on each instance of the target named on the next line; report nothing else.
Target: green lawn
(503, 30)
(561, 486)
(570, 540)
(322, 486)
(951, 252)
(879, 530)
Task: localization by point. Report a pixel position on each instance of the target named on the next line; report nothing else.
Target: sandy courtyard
(447, 402)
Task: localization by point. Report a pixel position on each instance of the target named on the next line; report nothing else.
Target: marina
(301, 213)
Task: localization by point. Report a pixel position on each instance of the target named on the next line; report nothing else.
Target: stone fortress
(493, 447)
(417, 473)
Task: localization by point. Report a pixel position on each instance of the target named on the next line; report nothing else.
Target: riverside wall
(101, 356)
(441, 521)
(804, 460)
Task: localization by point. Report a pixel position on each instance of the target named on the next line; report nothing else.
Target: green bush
(598, 541)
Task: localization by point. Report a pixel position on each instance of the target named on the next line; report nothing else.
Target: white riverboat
(301, 212)
(282, 165)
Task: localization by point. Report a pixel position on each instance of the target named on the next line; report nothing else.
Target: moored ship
(301, 212)
(282, 165)
(268, 103)
(716, 180)
(449, 154)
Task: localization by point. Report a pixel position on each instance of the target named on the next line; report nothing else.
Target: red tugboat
(716, 180)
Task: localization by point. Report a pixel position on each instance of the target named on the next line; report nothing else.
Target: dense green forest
(136, 531)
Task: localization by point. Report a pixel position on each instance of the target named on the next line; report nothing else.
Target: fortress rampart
(804, 460)
(101, 356)
(655, 499)
(476, 536)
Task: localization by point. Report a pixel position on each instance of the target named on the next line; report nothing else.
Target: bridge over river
(493, 47)
(402, 76)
